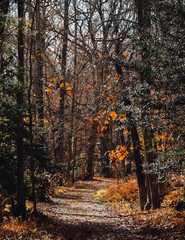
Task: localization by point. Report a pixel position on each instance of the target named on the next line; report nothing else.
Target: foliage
(122, 200)
(124, 191)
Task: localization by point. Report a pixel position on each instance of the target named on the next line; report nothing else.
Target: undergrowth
(122, 199)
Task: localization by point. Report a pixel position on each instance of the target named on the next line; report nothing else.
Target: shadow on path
(75, 215)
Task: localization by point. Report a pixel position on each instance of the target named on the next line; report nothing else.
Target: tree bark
(39, 42)
(144, 12)
(136, 145)
(21, 208)
(63, 80)
(4, 6)
(92, 143)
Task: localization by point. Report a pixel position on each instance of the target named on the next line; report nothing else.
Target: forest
(92, 116)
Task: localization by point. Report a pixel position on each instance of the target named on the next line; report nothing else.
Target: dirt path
(75, 215)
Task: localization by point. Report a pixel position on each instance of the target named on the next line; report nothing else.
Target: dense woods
(90, 88)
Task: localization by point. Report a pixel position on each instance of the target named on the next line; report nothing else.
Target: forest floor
(74, 214)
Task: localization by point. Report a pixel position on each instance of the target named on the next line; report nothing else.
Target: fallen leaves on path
(77, 215)
(73, 214)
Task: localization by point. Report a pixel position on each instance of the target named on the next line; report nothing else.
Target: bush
(122, 191)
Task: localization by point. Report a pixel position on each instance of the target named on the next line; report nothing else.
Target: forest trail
(76, 215)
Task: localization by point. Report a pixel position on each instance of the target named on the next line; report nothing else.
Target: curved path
(76, 215)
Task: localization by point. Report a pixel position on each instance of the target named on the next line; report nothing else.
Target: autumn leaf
(71, 93)
(67, 88)
(159, 148)
(125, 54)
(122, 117)
(48, 90)
(121, 157)
(103, 128)
(113, 115)
(96, 118)
(110, 98)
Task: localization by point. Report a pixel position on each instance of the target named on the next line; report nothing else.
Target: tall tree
(144, 21)
(4, 6)
(63, 81)
(21, 208)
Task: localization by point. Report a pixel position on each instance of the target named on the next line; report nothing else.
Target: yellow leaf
(62, 85)
(121, 157)
(51, 84)
(113, 115)
(125, 132)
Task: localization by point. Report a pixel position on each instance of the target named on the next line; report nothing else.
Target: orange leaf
(159, 148)
(121, 157)
(71, 93)
(125, 54)
(122, 117)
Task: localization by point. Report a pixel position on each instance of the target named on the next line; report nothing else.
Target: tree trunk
(92, 143)
(70, 141)
(39, 66)
(4, 6)
(32, 165)
(21, 208)
(139, 167)
(144, 15)
(136, 145)
(105, 146)
(152, 178)
(62, 82)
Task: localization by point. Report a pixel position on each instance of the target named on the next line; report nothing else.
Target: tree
(4, 6)
(21, 207)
